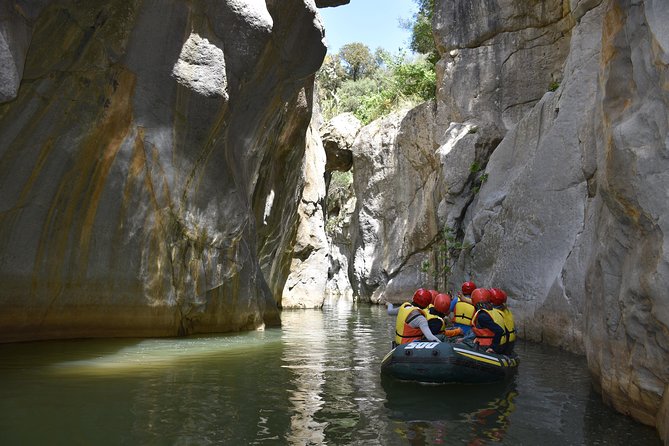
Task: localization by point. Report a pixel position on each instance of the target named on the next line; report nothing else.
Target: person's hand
(490, 350)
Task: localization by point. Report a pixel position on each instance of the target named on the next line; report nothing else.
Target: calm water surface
(314, 381)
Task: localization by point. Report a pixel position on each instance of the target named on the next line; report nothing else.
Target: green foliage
(331, 74)
(445, 252)
(553, 86)
(357, 60)
(340, 182)
(478, 182)
(420, 25)
(352, 93)
(340, 189)
(372, 86)
(475, 167)
(397, 82)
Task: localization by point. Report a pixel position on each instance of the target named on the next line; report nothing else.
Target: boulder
(338, 135)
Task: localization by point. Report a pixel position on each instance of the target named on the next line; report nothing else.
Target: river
(314, 381)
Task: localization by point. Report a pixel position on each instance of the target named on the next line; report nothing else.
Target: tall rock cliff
(150, 163)
(541, 169)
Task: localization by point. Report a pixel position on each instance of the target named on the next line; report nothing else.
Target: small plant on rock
(446, 251)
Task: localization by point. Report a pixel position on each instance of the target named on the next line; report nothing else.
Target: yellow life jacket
(405, 333)
(431, 317)
(509, 324)
(463, 313)
(498, 318)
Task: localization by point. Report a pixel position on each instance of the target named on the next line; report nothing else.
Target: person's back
(487, 324)
(462, 308)
(412, 323)
(498, 299)
(463, 313)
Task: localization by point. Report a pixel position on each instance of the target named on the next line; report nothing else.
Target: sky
(372, 22)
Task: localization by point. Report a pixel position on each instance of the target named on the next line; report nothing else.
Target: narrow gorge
(164, 171)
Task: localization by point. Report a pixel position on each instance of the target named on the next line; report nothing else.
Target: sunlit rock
(338, 135)
(15, 33)
(137, 158)
(305, 285)
(483, 54)
(201, 67)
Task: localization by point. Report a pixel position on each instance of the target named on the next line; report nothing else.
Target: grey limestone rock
(137, 156)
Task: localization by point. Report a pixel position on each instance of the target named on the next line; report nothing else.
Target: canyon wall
(540, 168)
(151, 158)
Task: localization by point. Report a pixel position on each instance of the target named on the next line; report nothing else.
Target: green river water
(314, 381)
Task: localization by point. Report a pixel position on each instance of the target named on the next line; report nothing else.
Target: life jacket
(405, 333)
(463, 312)
(450, 332)
(485, 336)
(509, 324)
(434, 321)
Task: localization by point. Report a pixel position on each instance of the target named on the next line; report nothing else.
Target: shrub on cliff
(397, 82)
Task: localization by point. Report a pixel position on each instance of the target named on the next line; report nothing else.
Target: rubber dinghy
(447, 362)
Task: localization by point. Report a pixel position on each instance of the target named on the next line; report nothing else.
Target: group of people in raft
(477, 314)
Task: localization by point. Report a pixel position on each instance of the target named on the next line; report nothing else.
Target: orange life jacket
(485, 336)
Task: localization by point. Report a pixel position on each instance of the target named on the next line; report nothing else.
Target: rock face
(140, 191)
(338, 137)
(330, 3)
(306, 283)
(545, 159)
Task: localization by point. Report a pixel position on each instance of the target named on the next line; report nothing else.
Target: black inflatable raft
(447, 362)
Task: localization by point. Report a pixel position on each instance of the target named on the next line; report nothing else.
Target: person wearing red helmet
(412, 319)
(462, 308)
(498, 300)
(435, 315)
(467, 288)
(487, 324)
(442, 308)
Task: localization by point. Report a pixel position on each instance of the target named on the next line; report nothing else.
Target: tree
(357, 59)
(422, 39)
(331, 74)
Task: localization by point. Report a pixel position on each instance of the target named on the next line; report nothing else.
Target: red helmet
(434, 294)
(480, 295)
(422, 297)
(468, 288)
(442, 303)
(497, 296)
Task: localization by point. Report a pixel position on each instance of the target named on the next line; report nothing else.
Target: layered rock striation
(150, 163)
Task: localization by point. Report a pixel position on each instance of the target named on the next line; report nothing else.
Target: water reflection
(469, 414)
(306, 336)
(314, 381)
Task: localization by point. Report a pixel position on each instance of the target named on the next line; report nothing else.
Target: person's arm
(391, 310)
(421, 322)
